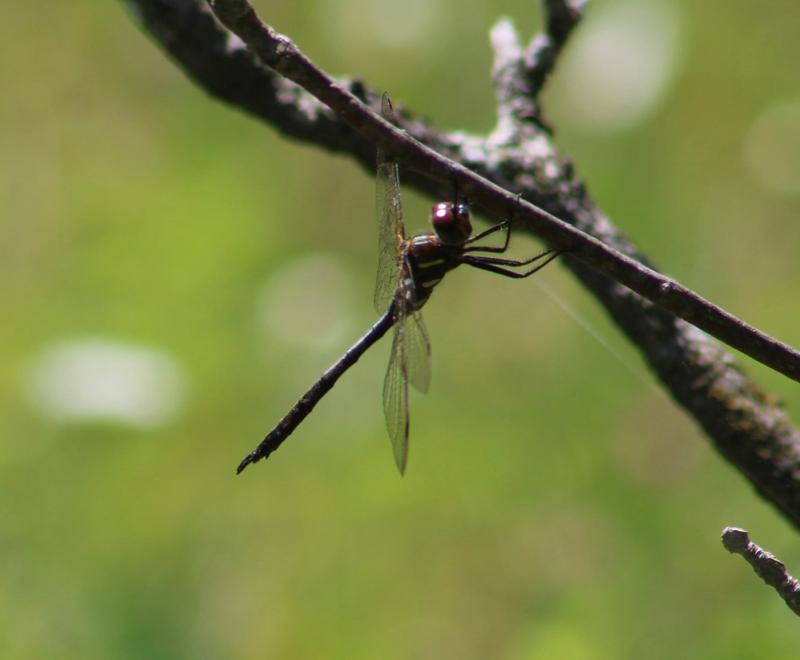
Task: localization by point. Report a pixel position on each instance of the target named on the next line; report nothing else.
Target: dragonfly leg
(506, 224)
(492, 267)
(455, 192)
(498, 261)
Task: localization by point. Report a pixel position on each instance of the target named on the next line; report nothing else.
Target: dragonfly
(408, 270)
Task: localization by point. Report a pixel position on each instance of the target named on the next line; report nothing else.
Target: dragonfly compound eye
(451, 222)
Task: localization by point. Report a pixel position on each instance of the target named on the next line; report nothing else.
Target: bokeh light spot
(96, 379)
(619, 66)
(385, 24)
(772, 148)
(308, 302)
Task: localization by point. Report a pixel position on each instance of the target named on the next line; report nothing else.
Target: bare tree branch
(520, 76)
(281, 54)
(539, 59)
(746, 426)
(766, 565)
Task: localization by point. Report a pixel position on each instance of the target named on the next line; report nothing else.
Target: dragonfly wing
(418, 352)
(395, 393)
(391, 232)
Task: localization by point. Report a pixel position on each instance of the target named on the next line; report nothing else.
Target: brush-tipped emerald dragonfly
(408, 270)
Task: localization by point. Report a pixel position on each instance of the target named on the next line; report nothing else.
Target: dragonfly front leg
(506, 224)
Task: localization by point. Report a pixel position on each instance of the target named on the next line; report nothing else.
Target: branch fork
(745, 425)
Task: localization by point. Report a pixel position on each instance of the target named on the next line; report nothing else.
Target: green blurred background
(175, 274)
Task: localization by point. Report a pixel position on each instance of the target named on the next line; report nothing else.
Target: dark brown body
(427, 260)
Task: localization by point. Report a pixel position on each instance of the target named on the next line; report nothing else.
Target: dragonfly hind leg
(503, 266)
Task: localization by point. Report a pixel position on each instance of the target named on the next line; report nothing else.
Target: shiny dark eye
(451, 222)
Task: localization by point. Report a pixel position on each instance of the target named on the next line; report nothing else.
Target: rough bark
(746, 425)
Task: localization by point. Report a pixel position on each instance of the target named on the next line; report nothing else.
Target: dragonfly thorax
(427, 260)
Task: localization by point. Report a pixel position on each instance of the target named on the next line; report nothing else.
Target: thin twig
(766, 565)
(747, 426)
(521, 75)
(561, 18)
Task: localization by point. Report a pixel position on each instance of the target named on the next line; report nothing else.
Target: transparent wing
(395, 391)
(418, 352)
(391, 232)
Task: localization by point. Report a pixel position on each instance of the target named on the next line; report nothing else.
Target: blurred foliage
(554, 506)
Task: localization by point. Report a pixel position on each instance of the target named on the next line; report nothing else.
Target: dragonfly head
(451, 222)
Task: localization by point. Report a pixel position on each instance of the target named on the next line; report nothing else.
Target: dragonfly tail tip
(250, 458)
